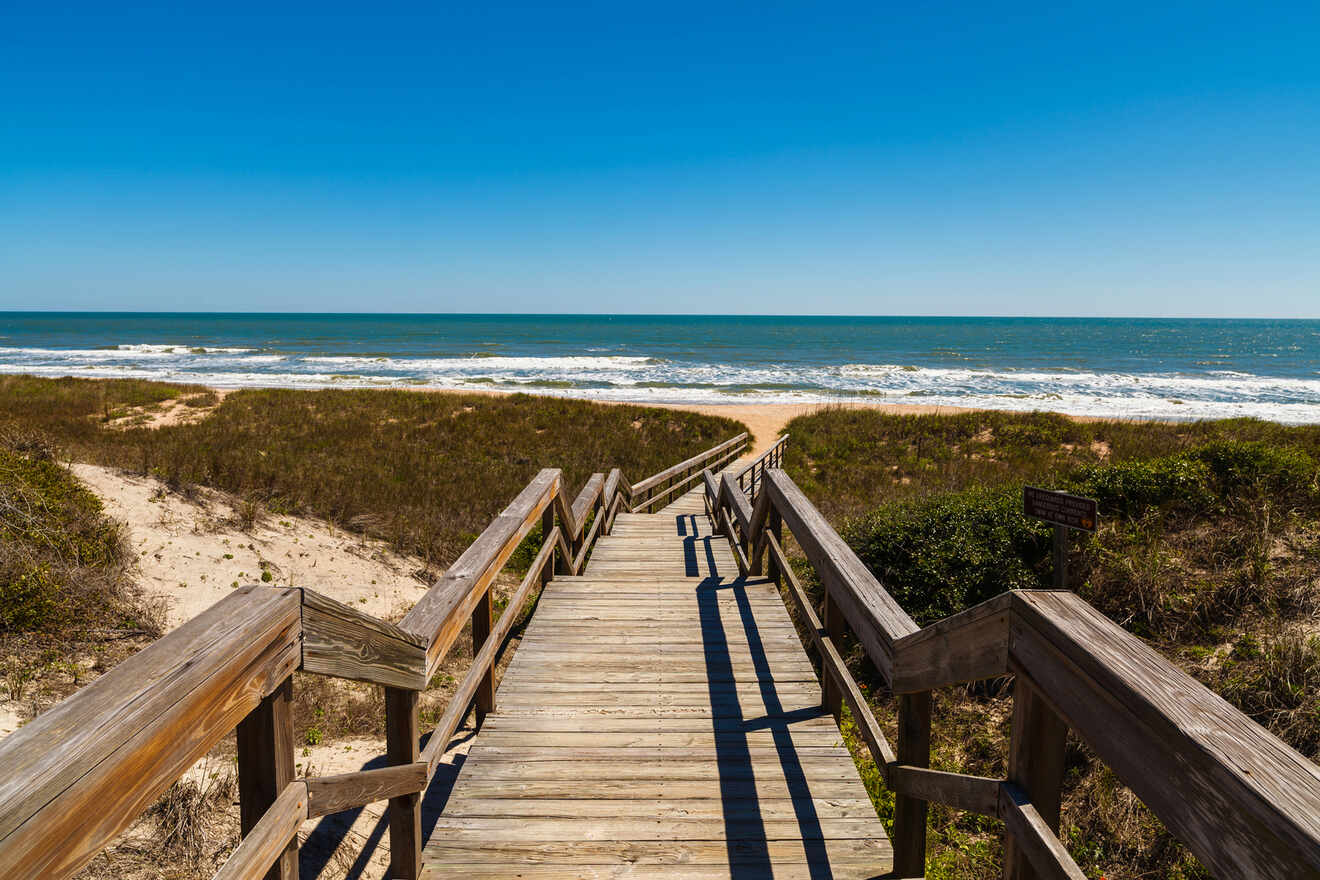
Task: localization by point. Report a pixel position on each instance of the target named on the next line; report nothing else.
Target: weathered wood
(656, 808)
(831, 695)
(910, 812)
(587, 498)
(485, 658)
(734, 544)
(697, 461)
(1033, 837)
(341, 641)
(484, 695)
(265, 769)
(976, 794)
(1245, 803)
(711, 496)
(268, 841)
(347, 791)
(1036, 766)
(681, 860)
(872, 614)
(564, 557)
(63, 794)
(967, 646)
(587, 542)
(611, 496)
(764, 459)
(680, 483)
(633, 692)
(440, 614)
(774, 526)
(405, 812)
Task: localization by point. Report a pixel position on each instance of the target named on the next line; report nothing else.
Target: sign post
(1064, 512)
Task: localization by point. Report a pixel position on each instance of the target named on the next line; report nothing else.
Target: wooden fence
(1243, 802)
(78, 775)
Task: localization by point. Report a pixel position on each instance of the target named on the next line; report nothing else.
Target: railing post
(401, 731)
(909, 812)
(831, 696)
(482, 619)
(265, 767)
(774, 524)
(548, 526)
(1035, 764)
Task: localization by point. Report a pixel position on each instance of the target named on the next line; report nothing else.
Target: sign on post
(1060, 508)
(1065, 512)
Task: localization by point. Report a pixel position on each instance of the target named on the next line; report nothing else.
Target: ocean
(1132, 368)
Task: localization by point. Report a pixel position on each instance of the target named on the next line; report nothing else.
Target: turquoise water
(1110, 367)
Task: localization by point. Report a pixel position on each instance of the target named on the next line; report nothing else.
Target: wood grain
(265, 769)
(343, 642)
(1245, 803)
(968, 646)
(346, 791)
(976, 794)
(405, 811)
(440, 614)
(79, 774)
(267, 842)
(872, 614)
(658, 703)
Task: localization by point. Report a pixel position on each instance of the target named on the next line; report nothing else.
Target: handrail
(755, 472)
(676, 478)
(1242, 801)
(79, 774)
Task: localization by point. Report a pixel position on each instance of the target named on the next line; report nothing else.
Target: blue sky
(977, 158)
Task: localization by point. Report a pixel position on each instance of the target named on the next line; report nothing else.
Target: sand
(191, 552)
(768, 420)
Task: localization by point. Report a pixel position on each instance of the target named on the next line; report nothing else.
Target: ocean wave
(641, 378)
(491, 362)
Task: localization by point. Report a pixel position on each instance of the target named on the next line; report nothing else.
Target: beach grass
(1209, 549)
(425, 471)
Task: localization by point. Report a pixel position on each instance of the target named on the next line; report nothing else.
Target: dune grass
(1209, 549)
(65, 581)
(424, 471)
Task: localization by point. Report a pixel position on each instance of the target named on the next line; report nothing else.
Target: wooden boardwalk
(660, 718)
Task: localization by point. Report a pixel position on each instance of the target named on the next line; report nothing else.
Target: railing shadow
(747, 842)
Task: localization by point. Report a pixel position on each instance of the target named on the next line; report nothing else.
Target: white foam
(1214, 394)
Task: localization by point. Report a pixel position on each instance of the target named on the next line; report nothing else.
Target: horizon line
(305, 313)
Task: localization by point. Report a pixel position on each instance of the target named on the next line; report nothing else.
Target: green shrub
(941, 554)
(61, 558)
(1128, 488)
(1287, 472)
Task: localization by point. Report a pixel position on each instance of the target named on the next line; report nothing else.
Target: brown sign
(1060, 508)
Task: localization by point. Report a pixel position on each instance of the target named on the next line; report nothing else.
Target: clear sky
(1115, 158)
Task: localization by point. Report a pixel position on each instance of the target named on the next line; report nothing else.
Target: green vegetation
(61, 558)
(424, 471)
(1209, 549)
(63, 578)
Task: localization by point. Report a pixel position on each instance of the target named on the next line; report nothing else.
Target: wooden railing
(78, 775)
(1243, 802)
(751, 477)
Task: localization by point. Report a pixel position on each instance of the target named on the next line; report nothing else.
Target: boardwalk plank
(660, 718)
